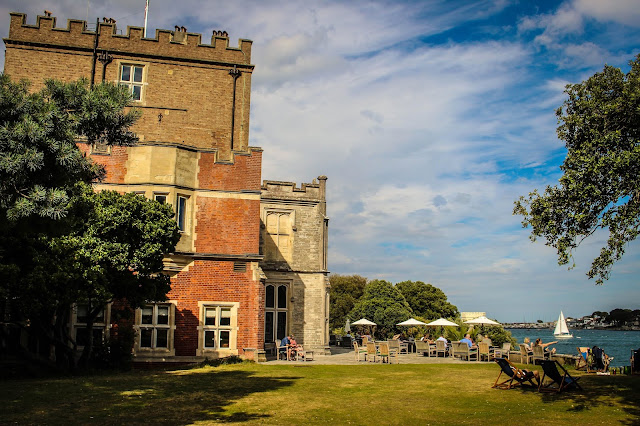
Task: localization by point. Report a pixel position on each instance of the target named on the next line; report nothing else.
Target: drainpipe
(95, 52)
(235, 74)
(105, 59)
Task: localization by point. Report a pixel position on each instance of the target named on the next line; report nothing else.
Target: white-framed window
(155, 325)
(132, 77)
(218, 329)
(181, 212)
(276, 311)
(80, 331)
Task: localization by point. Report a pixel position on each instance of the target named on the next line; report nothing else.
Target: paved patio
(341, 356)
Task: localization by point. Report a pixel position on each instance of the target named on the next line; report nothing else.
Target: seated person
(538, 342)
(468, 341)
(397, 336)
(527, 345)
(293, 348)
(284, 344)
(442, 339)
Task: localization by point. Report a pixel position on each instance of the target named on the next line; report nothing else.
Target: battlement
(308, 191)
(178, 44)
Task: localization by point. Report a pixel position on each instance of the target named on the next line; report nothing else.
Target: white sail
(561, 327)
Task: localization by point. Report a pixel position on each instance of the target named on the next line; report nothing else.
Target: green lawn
(297, 394)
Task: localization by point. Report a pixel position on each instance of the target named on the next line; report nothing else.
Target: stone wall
(295, 252)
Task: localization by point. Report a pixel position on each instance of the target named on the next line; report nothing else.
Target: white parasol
(441, 322)
(363, 321)
(483, 321)
(412, 322)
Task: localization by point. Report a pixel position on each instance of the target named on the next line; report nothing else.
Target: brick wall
(215, 281)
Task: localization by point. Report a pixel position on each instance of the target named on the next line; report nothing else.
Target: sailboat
(562, 331)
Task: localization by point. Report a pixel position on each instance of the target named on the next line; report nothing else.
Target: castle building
(251, 263)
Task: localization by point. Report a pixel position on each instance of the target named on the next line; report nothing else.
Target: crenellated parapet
(314, 191)
(178, 44)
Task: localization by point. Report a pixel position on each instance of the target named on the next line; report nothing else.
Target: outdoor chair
(346, 342)
(539, 354)
(372, 353)
(525, 354)
(486, 351)
(281, 351)
(359, 350)
(581, 362)
(506, 348)
(635, 361)
(441, 348)
(463, 350)
(559, 381)
(387, 353)
(515, 375)
(394, 345)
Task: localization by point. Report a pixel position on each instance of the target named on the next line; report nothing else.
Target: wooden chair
(359, 350)
(504, 351)
(394, 345)
(486, 351)
(371, 352)
(387, 353)
(441, 348)
(515, 376)
(525, 354)
(559, 381)
(539, 354)
(423, 348)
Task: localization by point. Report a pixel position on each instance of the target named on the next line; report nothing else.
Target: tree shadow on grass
(168, 397)
(600, 391)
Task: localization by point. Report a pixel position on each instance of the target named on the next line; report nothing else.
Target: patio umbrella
(412, 322)
(441, 322)
(482, 321)
(363, 321)
(347, 326)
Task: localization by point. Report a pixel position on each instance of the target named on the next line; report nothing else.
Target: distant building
(251, 265)
(467, 316)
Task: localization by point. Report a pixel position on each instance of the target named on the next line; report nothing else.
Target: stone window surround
(288, 283)
(144, 83)
(104, 325)
(233, 328)
(156, 352)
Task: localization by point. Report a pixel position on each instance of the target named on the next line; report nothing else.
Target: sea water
(616, 343)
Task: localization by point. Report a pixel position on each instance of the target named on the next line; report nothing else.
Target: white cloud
(626, 12)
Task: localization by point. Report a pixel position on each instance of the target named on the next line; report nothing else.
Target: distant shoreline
(533, 327)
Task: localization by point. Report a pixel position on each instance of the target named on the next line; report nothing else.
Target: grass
(308, 394)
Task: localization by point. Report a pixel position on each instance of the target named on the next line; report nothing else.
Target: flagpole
(146, 15)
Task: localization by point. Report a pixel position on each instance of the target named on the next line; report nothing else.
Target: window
(131, 77)
(80, 330)
(161, 198)
(181, 212)
(155, 324)
(279, 236)
(218, 329)
(276, 312)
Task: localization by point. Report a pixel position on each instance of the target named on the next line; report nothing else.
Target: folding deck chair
(514, 374)
(559, 380)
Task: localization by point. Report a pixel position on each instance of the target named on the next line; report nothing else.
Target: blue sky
(429, 118)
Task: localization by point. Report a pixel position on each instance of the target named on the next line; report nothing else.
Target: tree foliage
(383, 304)
(426, 300)
(61, 243)
(39, 160)
(600, 187)
(345, 291)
